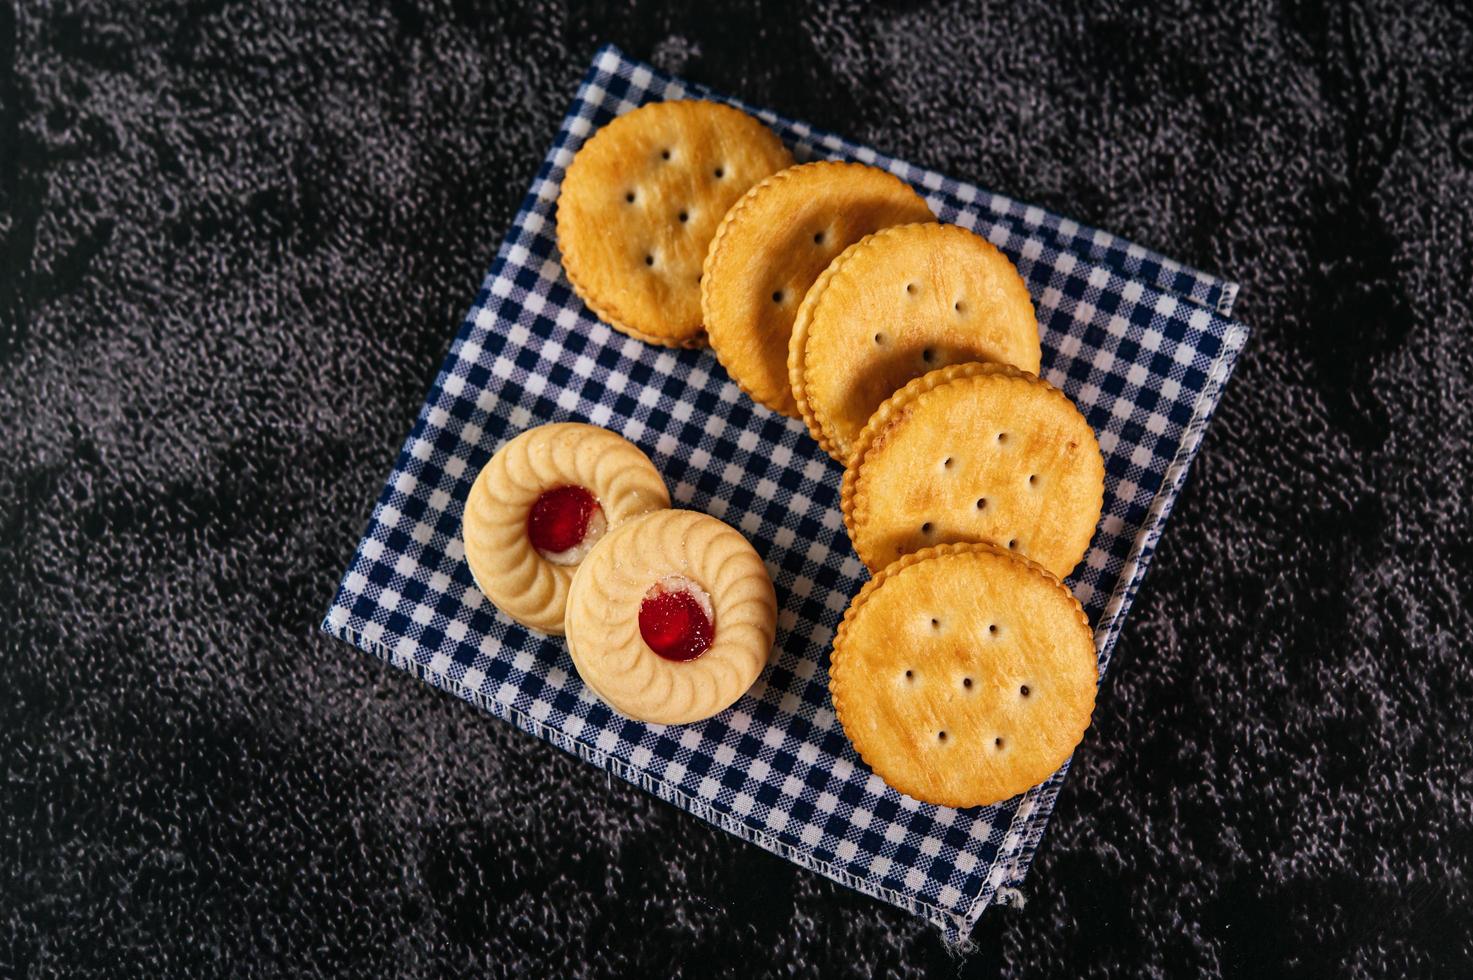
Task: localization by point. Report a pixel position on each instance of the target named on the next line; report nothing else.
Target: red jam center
(559, 519)
(674, 624)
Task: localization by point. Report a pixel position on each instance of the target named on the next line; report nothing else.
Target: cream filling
(597, 525)
(679, 583)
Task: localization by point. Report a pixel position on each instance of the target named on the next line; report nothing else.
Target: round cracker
(640, 203)
(508, 570)
(772, 246)
(964, 674)
(904, 301)
(975, 452)
(603, 617)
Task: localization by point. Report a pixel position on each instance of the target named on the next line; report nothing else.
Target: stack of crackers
(964, 671)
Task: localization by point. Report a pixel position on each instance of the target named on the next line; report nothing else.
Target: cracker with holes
(772, 246)
(540, 505)
(640, 203)
(975, 452)
(671, 617)
(894, 306)
(964, 674)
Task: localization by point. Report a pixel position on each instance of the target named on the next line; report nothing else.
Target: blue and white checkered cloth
(1142, 344)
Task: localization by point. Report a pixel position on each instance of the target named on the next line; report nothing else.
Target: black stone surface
(235, 242)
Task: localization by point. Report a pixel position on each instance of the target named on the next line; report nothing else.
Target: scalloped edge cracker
(963, 675)
(898, 304)
(975, 452)
(640, 203)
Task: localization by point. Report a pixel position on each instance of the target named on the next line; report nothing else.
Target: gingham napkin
(1141, 344)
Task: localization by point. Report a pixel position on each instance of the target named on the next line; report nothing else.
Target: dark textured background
(235, 243)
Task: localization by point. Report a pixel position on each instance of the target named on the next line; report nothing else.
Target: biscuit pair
(964, 671)
(829, 285)
(669, 614)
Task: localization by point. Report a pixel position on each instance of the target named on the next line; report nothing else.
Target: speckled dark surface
(234, 247)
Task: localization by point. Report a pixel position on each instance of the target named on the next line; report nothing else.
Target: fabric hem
(1233, 342)
(952, 925)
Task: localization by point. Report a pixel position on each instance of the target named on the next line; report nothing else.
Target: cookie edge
(813, 415)
(893, 570)
(854, 503)
(608, 311)
(549, 626)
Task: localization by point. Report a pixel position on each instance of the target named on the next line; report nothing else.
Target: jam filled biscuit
(541, 504)
(640, 202)
(773, 245)
(903, 302)
(671, 617)
(964, 674)
(975, 452)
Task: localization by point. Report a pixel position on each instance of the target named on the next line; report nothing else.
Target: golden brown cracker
(517, 579)
(904, 301)
(640, 203)
(964, 674)
(975, 452)
(773, 245)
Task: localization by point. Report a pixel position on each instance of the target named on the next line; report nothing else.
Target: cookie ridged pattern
(507, 569)
(603, 617)
(798, 345)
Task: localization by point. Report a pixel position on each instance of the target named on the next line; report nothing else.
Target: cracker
(903, 302)
(519, 580)
(964, 674)
(640, 203)
(975, 452)
(603, 629)
(772, 246)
